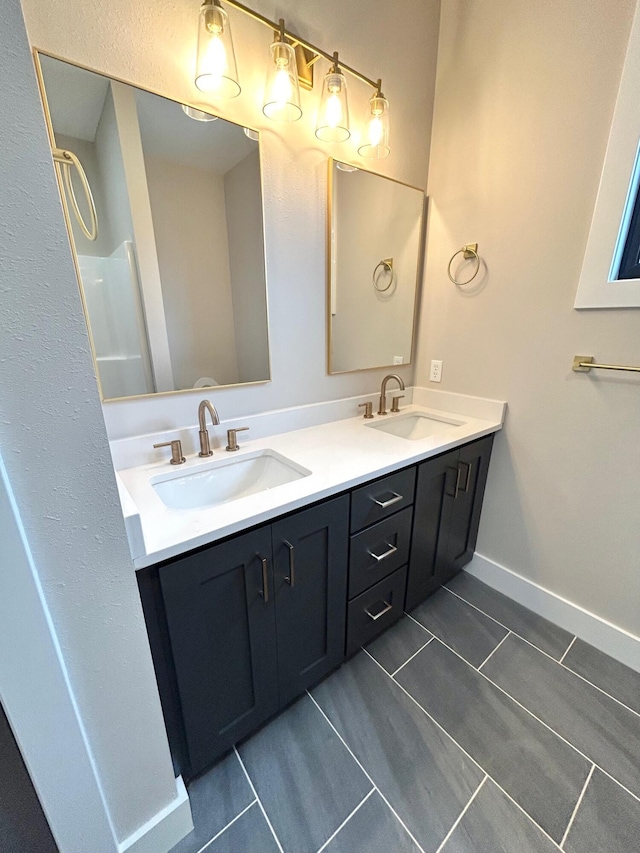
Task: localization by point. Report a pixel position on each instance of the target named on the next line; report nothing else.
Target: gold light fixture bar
(307, 45)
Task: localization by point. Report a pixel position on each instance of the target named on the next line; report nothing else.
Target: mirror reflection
(373, 268)
(174, 283)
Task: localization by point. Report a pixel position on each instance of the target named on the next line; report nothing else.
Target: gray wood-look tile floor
(471, 726)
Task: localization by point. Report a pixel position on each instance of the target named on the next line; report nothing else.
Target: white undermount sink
(226, 480)
(415, 425)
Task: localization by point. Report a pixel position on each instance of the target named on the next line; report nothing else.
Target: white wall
(188, 210)
(53, 443)
(156, 50)
(245, 231)
(113, 180)
(524, 100)
(374, 219)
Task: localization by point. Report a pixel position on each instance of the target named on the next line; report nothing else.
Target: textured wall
(154, 47)
(524, 100)
(54, 446)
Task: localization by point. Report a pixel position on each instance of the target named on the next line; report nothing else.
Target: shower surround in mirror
(174, 286)
(374, 257)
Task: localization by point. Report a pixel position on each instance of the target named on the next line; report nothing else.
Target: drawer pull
(265, 578)
(394, 500)
(291, 580)
(384, 610)
(379, 557)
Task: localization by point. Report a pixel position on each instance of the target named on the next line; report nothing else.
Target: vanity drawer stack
(380, 528)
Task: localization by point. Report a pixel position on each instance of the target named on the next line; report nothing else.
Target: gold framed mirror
(163, 205)
(375, 240)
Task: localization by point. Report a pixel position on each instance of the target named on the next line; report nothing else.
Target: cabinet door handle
(265, 578)
(291, 580)
(467, 479)
(458, 471)
(394, 500)
(384, 610)
(379, 557)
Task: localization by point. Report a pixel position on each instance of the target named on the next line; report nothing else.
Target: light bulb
(375, 138)
(333, 114)
(375, 131)
(334, 111)
(216, 70)
(215, 60)
(282, 92)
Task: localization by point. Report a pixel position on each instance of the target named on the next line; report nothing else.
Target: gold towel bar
(584, 363)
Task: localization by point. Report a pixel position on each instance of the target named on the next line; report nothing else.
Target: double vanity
(261, 570)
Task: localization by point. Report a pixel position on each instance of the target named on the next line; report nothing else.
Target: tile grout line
(462, 814)
(464, 751)
(430, 640)
(225, 828)
(346, 820)
(352, 754)
(495, 650)
(542, 651)
(531, 714)
(513, 699)
(258, 800)
(575, 811)
(568, 649)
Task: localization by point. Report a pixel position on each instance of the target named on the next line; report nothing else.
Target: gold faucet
(383, 391)
(204, 407)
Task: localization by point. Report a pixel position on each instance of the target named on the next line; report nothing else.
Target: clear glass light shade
(198, 115)
(216, 70)
(282, 91)
(333, 115)
(375, 131)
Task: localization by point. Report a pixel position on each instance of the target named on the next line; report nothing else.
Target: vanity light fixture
(333, 115)
(198, 115)
(375, 140)
(291, 65)
(282, 90)
(216, 70)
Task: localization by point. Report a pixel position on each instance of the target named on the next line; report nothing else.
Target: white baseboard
(606, 636)
(165, 829)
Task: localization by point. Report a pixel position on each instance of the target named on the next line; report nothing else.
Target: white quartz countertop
(340, 455)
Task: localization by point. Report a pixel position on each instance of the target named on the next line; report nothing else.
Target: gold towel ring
(66, 160)
(469, 251)
(387, 266)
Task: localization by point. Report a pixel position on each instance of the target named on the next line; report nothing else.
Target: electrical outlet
(436, 371)
(398, 359)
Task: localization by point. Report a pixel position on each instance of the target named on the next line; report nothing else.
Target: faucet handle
(395, 401)
(232, 438)
(368, 409)
(176, 451)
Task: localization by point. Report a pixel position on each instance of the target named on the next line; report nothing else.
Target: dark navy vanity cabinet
(448, 502)
(240, 628)
(253, 622)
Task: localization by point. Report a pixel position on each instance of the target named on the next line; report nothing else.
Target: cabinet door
(310, 565)
(473, 465)
(221, 618)
(434, 501)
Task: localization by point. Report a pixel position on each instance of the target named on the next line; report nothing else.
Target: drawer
(370, 613)
(377, 500)
(379, 550)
